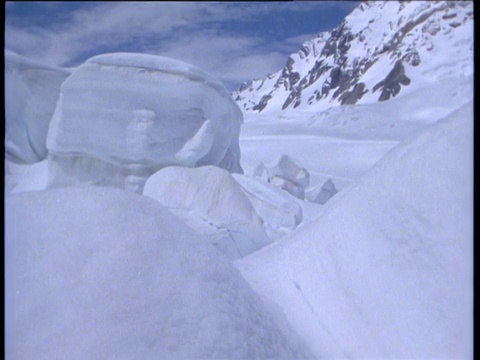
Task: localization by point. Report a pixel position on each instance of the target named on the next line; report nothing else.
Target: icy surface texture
(103, 273)
(213, 203)
(285, 174)
(31, 93)
(387, 270)
(321, 194)
(121, 117)
(279, 211)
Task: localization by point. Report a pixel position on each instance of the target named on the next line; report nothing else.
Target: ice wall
(121, 117)
(31, 93)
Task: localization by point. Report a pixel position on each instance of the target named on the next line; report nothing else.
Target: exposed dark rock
(263, 102)
(449, 16)
(289, 100)
(293, 78)
(390, 86)
(412, 58)
(243, 87)
(351, 97)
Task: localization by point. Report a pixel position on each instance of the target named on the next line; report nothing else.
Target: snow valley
(325, 211)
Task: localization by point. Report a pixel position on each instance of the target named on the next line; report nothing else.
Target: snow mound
(103, 273)
(279, 211)
(387, 269)
(31, 92)
(211, 202)
(121, 117)
(285, 174)
(322, 193)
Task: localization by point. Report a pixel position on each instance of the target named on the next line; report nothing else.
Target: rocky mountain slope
(380, 50)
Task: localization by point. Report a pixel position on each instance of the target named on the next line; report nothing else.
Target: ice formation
(279, 211)
(387, 270)
(123, 116)
(213, 203)
(285, 174)
(103, 273)
(31, 93)
(322, 193)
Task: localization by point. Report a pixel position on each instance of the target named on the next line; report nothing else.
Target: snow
(31, 92)
(344, 142)
(278, 209)
(386, 270)
(213, 203)
(146, 112)
(97, 272)
(212, 263)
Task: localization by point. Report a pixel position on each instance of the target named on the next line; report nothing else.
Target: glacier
(383, 269)
(121, 117)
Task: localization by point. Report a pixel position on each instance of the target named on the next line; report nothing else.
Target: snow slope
(97, 272)
(386, 270)
(31, 93)
(123, 116)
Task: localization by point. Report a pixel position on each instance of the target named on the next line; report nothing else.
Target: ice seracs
(99, 272)
(213, 203)
(322, 193)
(31, 93)
(123, 116)
(279, 210)
(285, 174)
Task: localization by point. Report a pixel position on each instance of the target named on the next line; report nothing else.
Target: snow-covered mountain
(381, 50)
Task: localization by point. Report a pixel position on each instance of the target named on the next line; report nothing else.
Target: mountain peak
(380, 50)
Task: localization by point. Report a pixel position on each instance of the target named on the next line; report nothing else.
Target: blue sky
(235, 42)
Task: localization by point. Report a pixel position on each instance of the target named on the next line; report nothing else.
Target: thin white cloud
(233, 59)
(183, 30)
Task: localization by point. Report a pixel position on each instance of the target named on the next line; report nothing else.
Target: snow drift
(121, 117)
(211, 202)
(387, 269)
(103, 273)
(31, 93)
